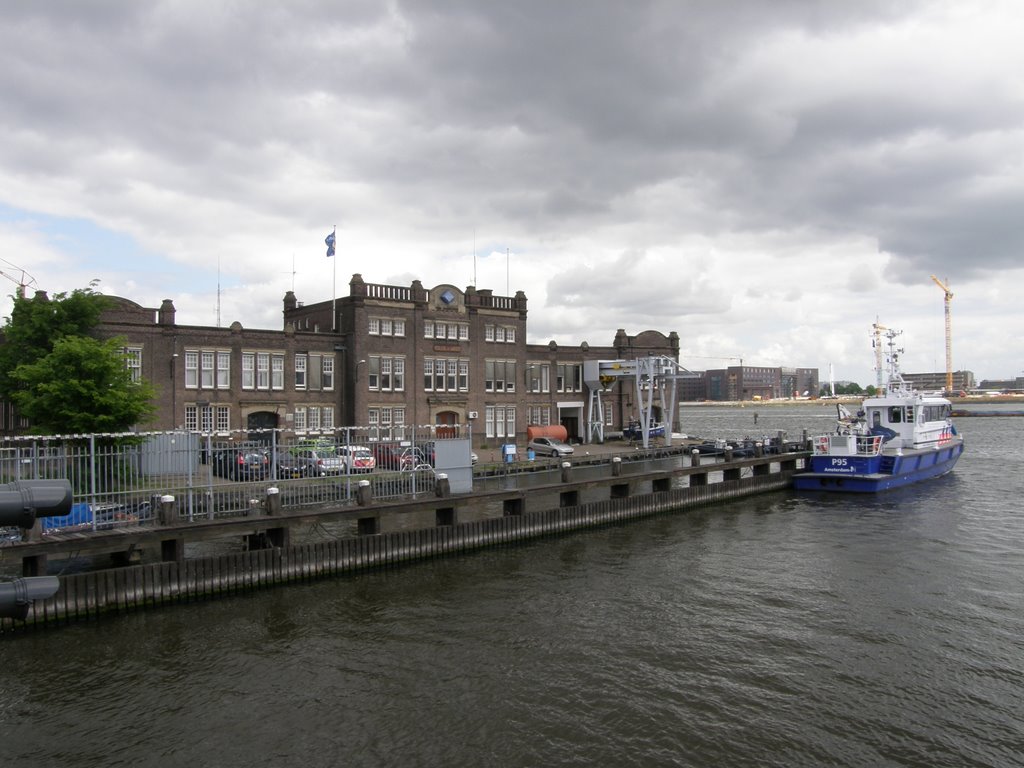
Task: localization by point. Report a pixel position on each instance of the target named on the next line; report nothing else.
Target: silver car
(549, 446)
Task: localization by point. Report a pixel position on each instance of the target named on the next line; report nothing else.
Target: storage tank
(556, 432)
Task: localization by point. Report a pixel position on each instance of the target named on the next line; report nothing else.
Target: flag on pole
(330, 244)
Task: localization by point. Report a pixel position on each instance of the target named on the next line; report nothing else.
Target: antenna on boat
(892, 358)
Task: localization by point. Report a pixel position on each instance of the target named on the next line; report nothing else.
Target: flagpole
(334, 286)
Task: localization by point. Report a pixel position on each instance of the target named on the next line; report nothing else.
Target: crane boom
(949, 331)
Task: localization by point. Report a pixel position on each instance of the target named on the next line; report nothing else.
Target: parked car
(357, 458)
(321, 459)
(549, 446)
(392, 456)
(290, 465)
(241, 464)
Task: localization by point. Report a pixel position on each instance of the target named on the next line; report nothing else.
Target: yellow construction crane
(949, 333)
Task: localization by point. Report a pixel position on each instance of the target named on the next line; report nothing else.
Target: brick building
(384, 358)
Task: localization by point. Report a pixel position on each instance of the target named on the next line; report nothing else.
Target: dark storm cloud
(632, 127)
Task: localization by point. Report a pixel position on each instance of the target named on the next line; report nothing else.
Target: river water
(783, 630)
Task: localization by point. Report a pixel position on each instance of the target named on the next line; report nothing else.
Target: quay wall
(90, 595)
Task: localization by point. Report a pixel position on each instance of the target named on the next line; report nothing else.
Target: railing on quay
(119, 479)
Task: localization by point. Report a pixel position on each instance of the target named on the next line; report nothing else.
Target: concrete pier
(393, 533)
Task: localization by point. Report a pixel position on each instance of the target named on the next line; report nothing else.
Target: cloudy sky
(767, 179)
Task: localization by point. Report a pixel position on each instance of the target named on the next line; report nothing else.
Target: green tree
(36, 323)
(81, 386)
(62, 378)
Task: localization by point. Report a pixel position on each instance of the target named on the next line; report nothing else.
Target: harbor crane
(949, 332)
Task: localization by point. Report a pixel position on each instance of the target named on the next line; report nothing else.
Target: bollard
(442, 488)
(364, 494)
(694, 458)
(273, 501)
(727, 456)
(616, 466)
(167, 514)
(566, 471)
(759, 449)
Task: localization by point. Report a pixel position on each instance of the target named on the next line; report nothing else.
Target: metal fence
(118, 480)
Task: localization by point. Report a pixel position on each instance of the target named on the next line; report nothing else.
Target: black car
(294, 464)
(244, 464)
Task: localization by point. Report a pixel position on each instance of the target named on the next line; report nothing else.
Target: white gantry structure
(653, 376)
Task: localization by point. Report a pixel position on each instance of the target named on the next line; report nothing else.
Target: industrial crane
(23, 281)
(949, 332)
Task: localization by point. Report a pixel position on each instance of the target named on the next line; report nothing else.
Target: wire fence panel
(119, 480)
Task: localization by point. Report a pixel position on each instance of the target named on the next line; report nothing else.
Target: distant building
(1002, 385)
(963, 381)
(747, 382)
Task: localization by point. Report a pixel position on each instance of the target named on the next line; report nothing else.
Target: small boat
(634, 431)
(898, 438)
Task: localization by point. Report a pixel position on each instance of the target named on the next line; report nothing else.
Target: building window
(207, 418)
(277, 372)
(191, 369)
(223, 418)
(399, 383)
(309, 418)
(386, 374)
(207, 369)
(608, 422)
(499, 375)
(262, 370)
(503, 334)
(539, 415)
(133, 362)
(300, 371)
(435, 329)
(570, 377)
(442, 374)
(327, 379)
(538, 377)
(223, 370)
(315, 369)
(248, 370)
(387, 326)
(500, 420)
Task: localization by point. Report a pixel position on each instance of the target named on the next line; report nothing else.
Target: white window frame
(248, 370)
(223, 369)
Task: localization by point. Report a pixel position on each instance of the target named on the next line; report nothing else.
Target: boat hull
(880, 473)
